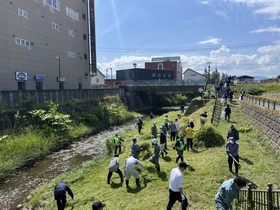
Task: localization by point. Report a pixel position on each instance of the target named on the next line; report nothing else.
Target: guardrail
(216, 113)
(162, 82)
(251, 199)
(264, 102)
(10, 98)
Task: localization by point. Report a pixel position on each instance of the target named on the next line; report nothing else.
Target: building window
(85, 56)
(85, 36)
(71, 54)
(84, 16)
(97, 80)
(153, 75)
(39, 85)
(169, 75)
(71, 13)
(22, 42)
(55, 26)
(22, 13)
(163, 75)
(53, 3)
(71, 33)
(159, 75)
(21, 86)
(160, 66)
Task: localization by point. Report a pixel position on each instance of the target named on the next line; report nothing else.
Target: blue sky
(238, 37)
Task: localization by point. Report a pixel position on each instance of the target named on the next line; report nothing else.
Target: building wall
(98, 80)
(168, 65)
(192, 75)
(144, 74)
(45, 44)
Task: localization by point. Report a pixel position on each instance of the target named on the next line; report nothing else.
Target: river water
(16, 188)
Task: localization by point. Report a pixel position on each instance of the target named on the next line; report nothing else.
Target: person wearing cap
(233, 133)
(60, 194)
(232, 148)
(189, 135)
(135, 149)
(154, 158)
(180, 147)
(129, 169)
(176, 187)
(98, 205)
(154, 130)
(173, 130)
(118, 143)
(228, 191)
(114, 167)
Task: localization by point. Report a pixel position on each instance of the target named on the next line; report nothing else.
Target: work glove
(183, 197)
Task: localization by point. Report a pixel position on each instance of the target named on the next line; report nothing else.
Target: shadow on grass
(191, 169)
(116, 185)
(163, 176)
(167, 159)
(137, 188)
(147, 156)
(151, 169)
(246, 160)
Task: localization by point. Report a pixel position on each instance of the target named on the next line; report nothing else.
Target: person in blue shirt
(227, 192)
(60, 194)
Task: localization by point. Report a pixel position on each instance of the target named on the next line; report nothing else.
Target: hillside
(208, 170)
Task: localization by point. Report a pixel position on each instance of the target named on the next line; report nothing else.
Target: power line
(184, 49)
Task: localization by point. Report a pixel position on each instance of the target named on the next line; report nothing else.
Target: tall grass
(208, 170)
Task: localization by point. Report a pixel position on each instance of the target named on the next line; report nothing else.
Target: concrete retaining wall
(265, 120)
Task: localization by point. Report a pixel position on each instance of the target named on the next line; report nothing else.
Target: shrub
(208, 137)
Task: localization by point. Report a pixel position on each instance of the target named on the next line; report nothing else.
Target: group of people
(226, 193)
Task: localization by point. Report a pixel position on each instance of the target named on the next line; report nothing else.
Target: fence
(252, 199)
(10, 98)
(216, 113)
(270, 104)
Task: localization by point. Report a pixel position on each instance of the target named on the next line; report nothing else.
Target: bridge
(160, 87)
(129, 89)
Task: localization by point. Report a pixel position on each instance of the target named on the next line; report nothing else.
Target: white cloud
(204, 2)
(222, 13)
(210, 40)
(273, 29)
(264, 62)
(271, 8)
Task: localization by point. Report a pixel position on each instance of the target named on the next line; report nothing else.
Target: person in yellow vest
(180, 148)
(189, 135)
(118, 143)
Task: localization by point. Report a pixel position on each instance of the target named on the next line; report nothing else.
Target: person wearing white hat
(155, 157)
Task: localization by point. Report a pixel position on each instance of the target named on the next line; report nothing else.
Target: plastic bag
(223, 114)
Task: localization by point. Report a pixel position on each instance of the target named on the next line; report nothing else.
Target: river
(16, 188)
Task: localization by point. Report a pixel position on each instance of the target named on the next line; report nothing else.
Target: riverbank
(40, 132)
(208, 170)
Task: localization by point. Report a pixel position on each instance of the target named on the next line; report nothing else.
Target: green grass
(208, 170)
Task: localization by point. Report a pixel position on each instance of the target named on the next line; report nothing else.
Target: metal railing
(162, 82)
(252, 199)
(270, 104)
(216, 113)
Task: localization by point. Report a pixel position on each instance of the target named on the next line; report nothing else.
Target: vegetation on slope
(208, 170)
(44, 130)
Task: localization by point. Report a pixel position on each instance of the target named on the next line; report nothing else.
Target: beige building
(44, 45)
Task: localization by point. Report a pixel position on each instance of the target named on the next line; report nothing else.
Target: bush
(208, 137)
(110, 146)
